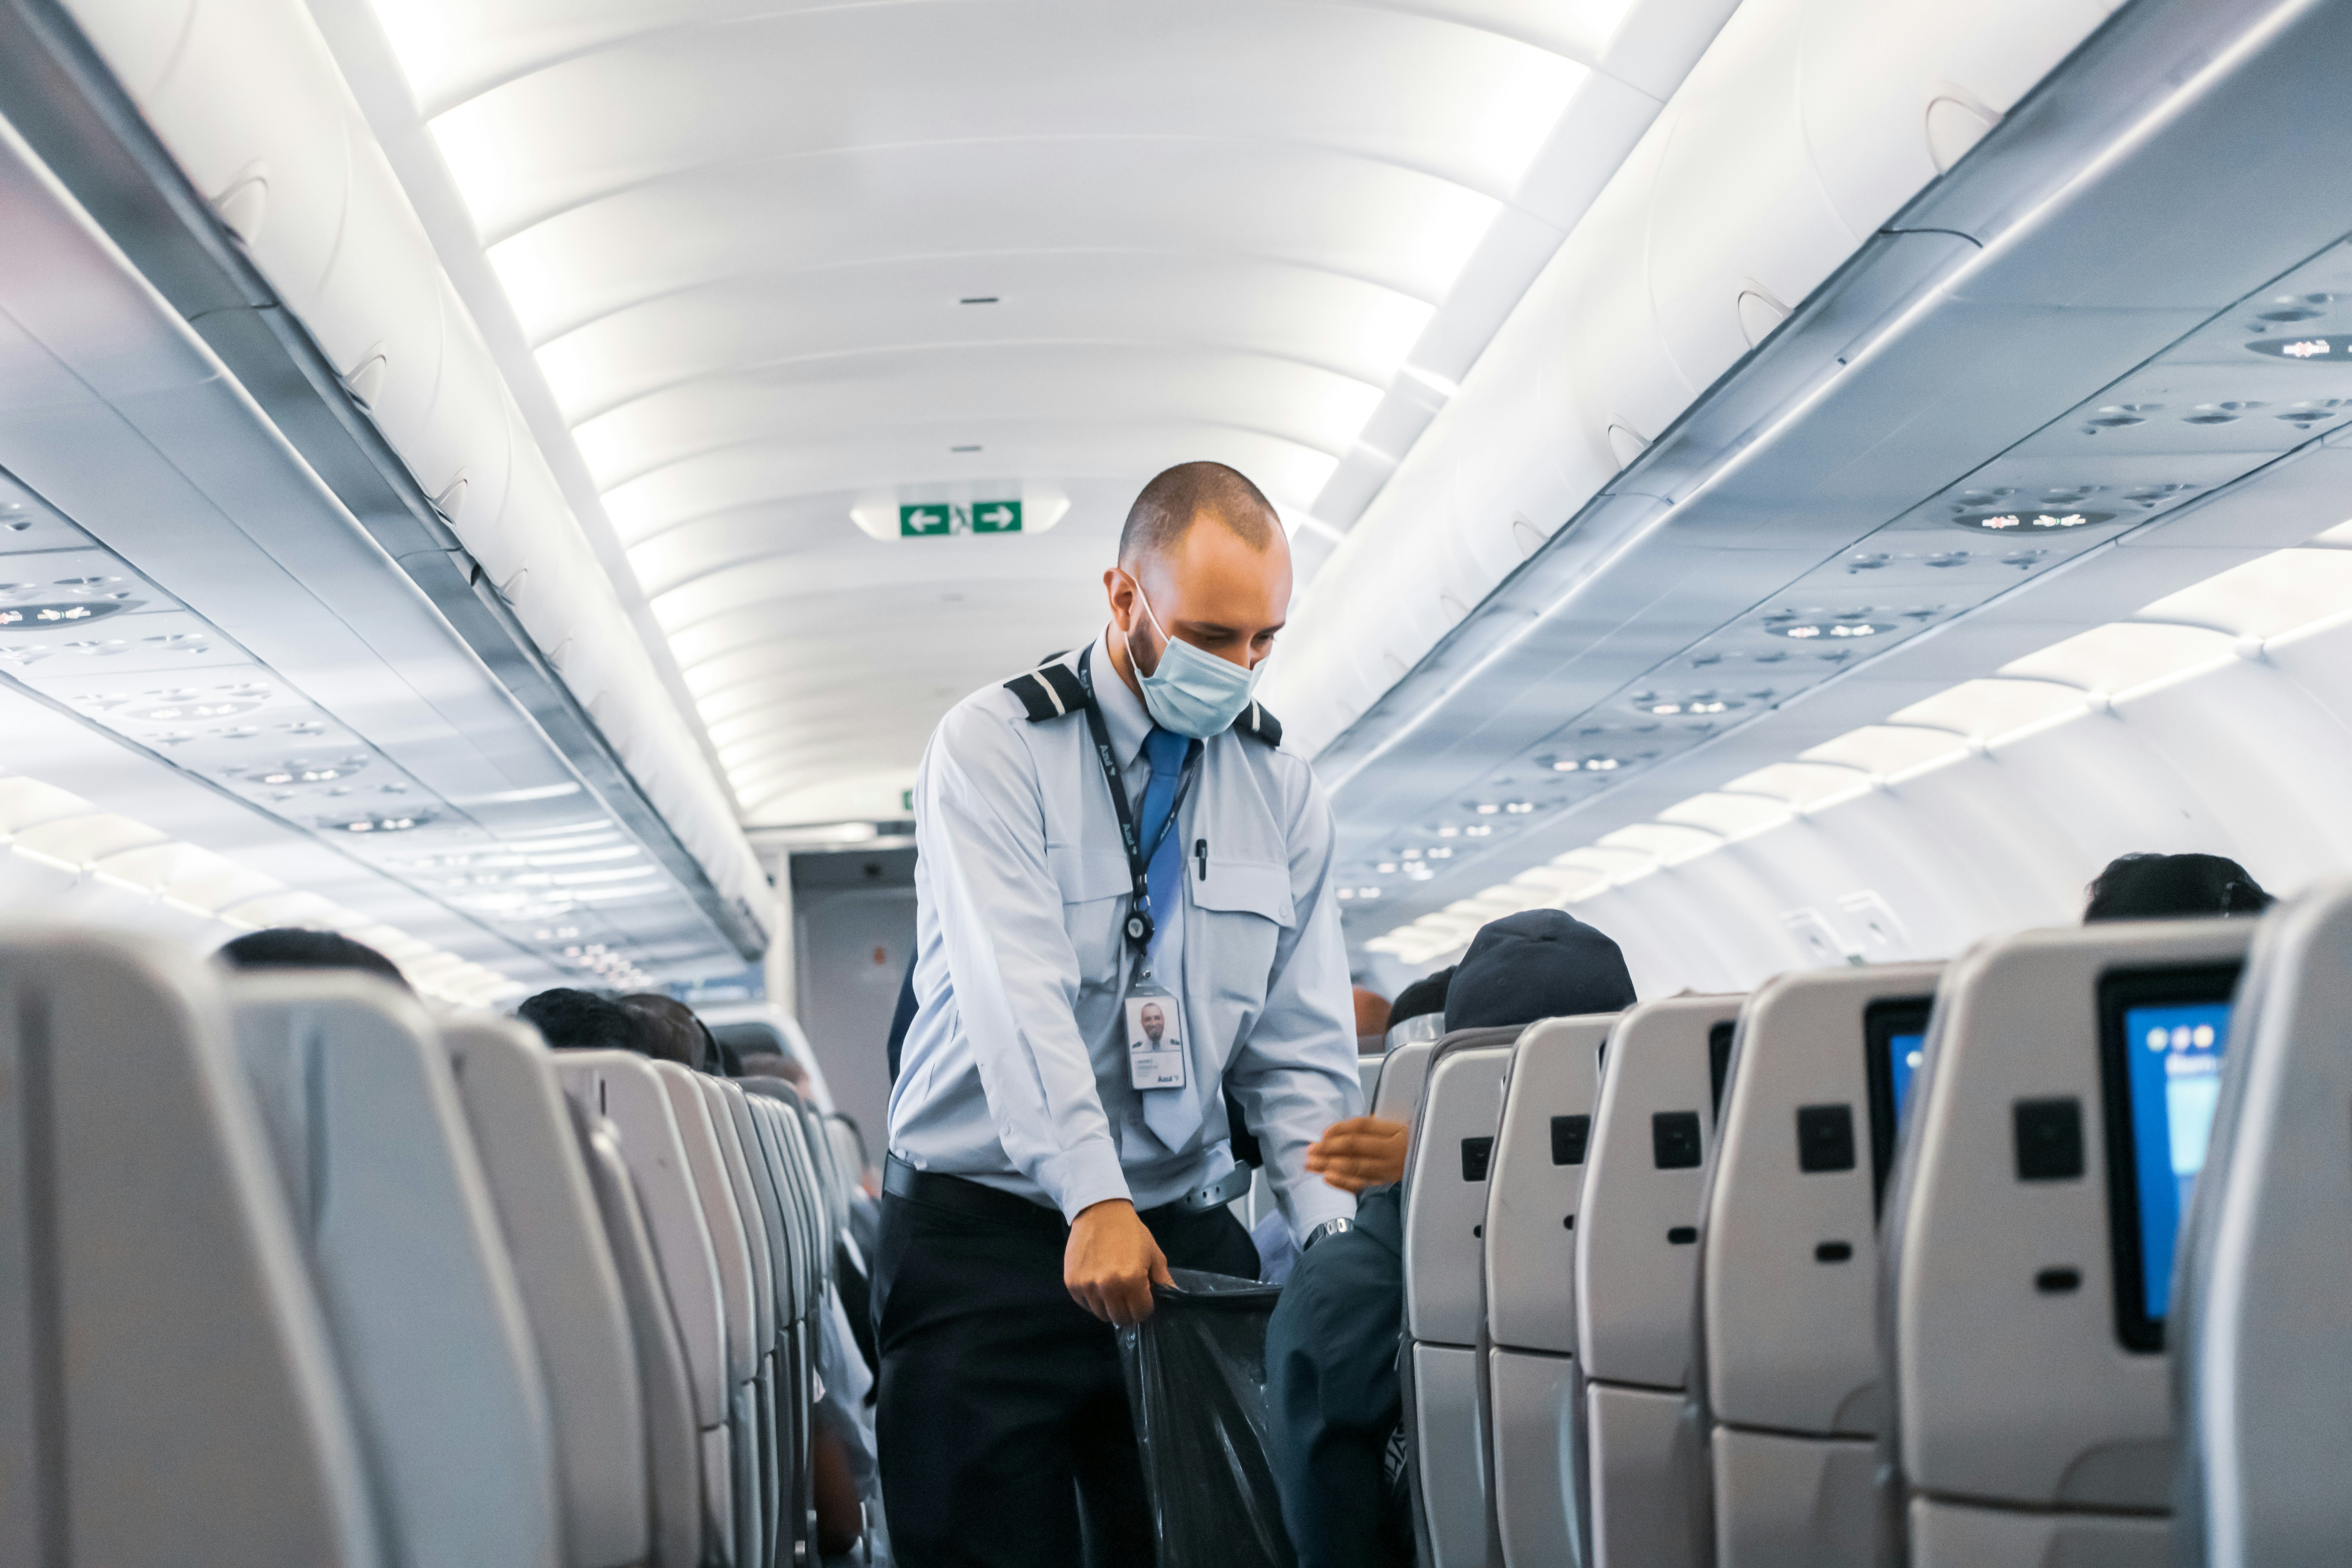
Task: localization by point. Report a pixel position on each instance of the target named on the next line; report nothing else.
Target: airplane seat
(793, 1299)
(779, 1102)
(1396, 1094)
(2263, 1330)
(1536, 1181)
(623, 1087)
(715, 1094)
(570, 1288)
(1787, 1261)
(153, 1295)
(2024, 1299)
(396, 1220)
(848, 1154)
(1367, 1078)
(1636, 1282)
(673, 1438)
(1445, 1220)
(732, 1247)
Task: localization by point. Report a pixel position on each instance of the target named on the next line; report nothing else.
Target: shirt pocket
(1091, 883)
(1244, 907)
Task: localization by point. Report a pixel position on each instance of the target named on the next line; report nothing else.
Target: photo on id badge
(1155, 1043)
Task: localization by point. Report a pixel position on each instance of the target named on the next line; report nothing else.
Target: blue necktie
(1166, 750)
(1172, 1114)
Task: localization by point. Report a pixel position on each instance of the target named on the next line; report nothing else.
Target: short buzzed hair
(1175, 499)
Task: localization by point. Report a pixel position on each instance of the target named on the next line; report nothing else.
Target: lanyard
(1139, 859)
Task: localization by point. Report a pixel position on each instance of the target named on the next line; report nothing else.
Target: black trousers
(1002, 1417)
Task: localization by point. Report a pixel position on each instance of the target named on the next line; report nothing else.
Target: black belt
(967, 1197)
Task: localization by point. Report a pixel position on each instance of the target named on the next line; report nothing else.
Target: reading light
(2331, 346)
(2026, 520)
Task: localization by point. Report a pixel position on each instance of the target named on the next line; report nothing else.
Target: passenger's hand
(1361, 1153)
(1112, 1262)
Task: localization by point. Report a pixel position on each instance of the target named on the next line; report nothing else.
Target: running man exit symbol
(917, 521)
(996, 516)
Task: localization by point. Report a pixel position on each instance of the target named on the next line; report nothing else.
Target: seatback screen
(1894, 1034)
(2163, 1034)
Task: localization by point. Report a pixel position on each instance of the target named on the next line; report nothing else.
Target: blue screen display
(2175, 1052)
(1902, 1062)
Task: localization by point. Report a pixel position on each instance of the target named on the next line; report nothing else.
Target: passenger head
(1203, 559)
(1372, 1014)
(1424, 996)
(775, 1064)
(570, 1020)
(2170, 887)
(666, 1029)
(285, 947)
(1538, 964)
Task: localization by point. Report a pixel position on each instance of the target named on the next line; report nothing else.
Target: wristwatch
(1329, 1227)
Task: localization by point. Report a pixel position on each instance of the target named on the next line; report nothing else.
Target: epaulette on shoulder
(1260, 725)
(1049, 691)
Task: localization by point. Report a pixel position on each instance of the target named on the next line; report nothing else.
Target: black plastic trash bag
(1196, 1383)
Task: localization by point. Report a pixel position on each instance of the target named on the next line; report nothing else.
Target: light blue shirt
(1014, 1072)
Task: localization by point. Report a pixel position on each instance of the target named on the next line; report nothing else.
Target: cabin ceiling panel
(777, 261)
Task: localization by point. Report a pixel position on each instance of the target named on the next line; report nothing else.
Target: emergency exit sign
(935, 519)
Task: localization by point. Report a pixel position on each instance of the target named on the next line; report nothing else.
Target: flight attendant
(1123, 912)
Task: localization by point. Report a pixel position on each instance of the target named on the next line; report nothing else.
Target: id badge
(1155, 1038)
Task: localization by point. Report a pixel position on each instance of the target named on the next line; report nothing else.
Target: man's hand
(1112, 1262)
(1361, 1153)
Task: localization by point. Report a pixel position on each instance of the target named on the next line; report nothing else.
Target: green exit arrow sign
(921, 521)
(996, 516)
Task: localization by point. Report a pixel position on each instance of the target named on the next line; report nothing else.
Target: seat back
(1637, 1233)
(1397, 1093)
(1789, 1262)
(1451, 1155)
(1788, 1257)
(1534, 1188)
(623, 1087)
(673, 1439)
(531, 1154)
(1636, 1271)
(730, 1245)
(371, 1145)
(153, 1297)
(2263, 1398)
(2024, 1372)
(1368, 1077)
(1445, 1216)
(1538, 1183)
(848, 1155)
(757, 1461)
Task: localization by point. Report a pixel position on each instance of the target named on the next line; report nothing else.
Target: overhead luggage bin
(665, 1383)
(547, 1211)
(624, 1087)
(2029, 1236)
(1636, 1272)
(1444, 1219)
(396, 1221)
(1533, 1190)
(1788, 1261)
(152, 1291)
(2262, 1323)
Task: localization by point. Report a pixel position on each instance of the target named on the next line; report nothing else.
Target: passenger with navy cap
(1335, 1412)
(1126, 937)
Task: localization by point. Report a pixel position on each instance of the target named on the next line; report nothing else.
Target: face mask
(1193, 693)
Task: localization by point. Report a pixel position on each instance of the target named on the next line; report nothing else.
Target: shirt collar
(1122, 711)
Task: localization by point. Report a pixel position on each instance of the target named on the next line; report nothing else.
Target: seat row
(1878, 1263)
(291, 1273)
